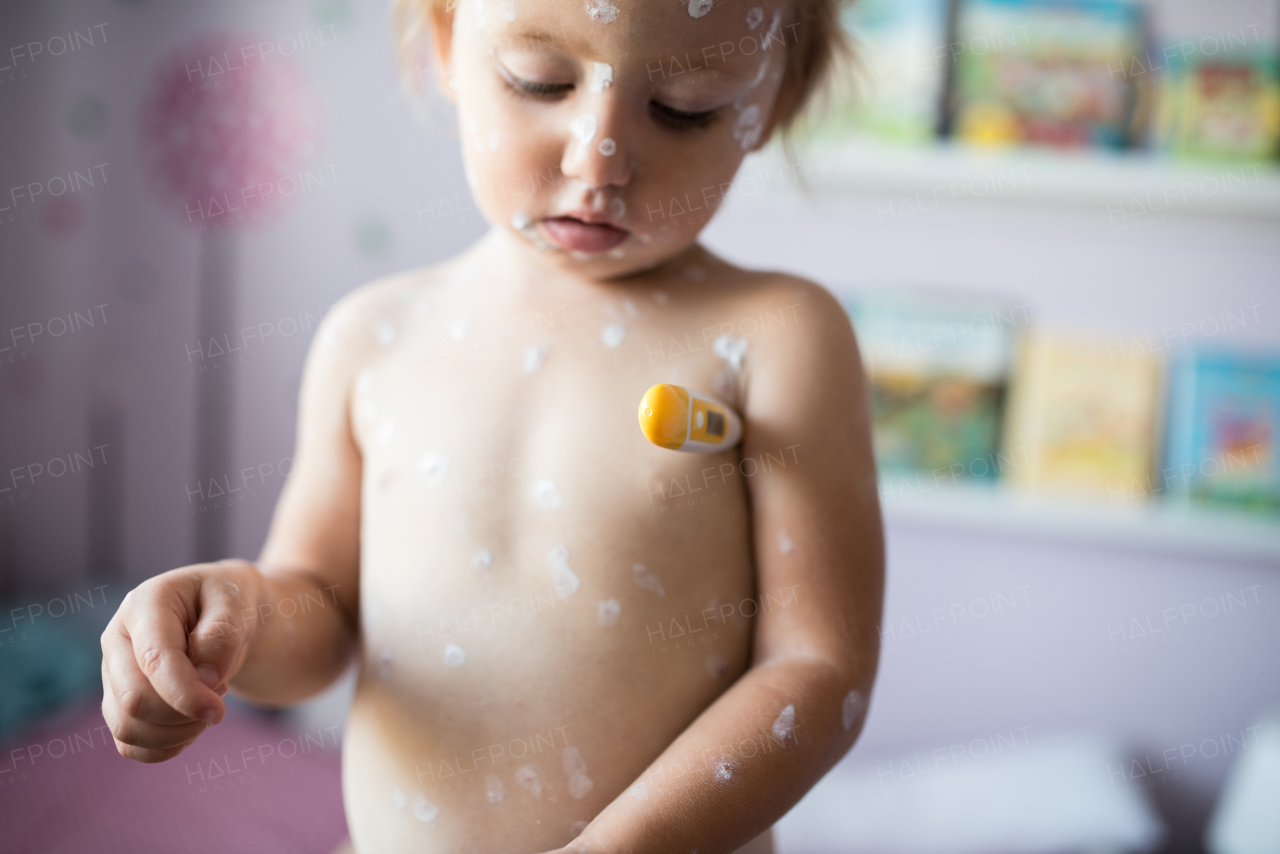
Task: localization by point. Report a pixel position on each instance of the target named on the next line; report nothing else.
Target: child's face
(603, 133)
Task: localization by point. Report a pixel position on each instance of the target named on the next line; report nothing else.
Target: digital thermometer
(681, 419)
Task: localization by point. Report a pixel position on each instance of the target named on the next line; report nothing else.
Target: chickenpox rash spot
(852, 708)
(434, 467)
(575, 768)
(785, 544)
(755, 18)
(613, 335)
(454, 655)
(519, 221)
(617, 207)
(731, 349)
(647, 579)
(385, 332)
(602, 11)
(547, 494)
(785, 724)
(494, 791)
(530, 779)
(423, 810)
(563, 578)
(482, 559)
(698, 8)
(724, 769)
(601, 77)
(533, 358)
(608, 147)
(607, 612)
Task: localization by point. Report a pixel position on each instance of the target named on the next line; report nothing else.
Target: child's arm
(750, 756)
(278, 631)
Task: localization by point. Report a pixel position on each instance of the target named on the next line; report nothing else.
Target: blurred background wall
(387, 193)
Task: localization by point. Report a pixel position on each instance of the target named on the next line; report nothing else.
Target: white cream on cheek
(602, 11)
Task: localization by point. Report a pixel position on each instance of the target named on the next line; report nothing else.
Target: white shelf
(1154, 528)
(1131, 187)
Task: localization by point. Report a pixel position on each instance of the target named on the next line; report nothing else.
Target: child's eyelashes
(679, 119)
(531, 89)
(668, 117)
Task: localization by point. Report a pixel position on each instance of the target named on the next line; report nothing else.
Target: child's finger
(217, 644)
(157, 629)
(135, 732)
(124, 681)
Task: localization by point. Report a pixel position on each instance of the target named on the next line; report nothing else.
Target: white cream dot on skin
(575, 768)
(602, 11)
(851, 709)
(601, 77)
(423, 810)
(613, 335)
(715, 665)
(386, 431)
(519, 221)
(533, 358)
(385, 332)
(530, 779)
(583, 128)
(785, 544)
(454, 655)
(617, 207)
(508, 10)
(647, 579)
(607, 612)
(494, 791)
(434, 468)
(640, 791)
(547, 494)
(785, 725)
(563, 578)
(732, 349)
(724, 768)
(755, 17)
(608, 147)
(482, 559)
(698, 8)
(458, 328)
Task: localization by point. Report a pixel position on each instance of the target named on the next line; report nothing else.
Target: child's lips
(578, 236)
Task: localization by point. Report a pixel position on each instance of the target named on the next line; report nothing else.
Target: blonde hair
(821, 45)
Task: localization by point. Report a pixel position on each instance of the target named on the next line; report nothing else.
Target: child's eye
(679, 119)
(542, 91)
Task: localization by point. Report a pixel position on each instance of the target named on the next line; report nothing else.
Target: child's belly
(538, 625)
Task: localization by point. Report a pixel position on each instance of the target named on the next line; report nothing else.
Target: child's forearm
(300, 639)
(740, 766)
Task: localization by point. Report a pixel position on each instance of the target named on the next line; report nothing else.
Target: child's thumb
(217, 644)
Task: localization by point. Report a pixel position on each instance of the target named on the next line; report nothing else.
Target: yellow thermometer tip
(664, 416)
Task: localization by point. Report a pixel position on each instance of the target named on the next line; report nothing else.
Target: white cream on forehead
(601, 77)
(602, 11)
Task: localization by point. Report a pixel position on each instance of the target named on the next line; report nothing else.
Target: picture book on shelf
(938, 368)
(1224, 419)
(1048, 72)
(895, 90)
(1225, 106)
(1083, 417)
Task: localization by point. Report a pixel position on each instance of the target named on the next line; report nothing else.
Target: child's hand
(169, 652)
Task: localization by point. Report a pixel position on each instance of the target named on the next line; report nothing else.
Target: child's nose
(596, 152)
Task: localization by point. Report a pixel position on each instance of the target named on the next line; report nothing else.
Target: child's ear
(442, 47)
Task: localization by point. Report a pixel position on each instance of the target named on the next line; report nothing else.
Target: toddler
(568, 639)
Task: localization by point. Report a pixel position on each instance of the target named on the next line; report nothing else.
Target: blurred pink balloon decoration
(222, 126)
